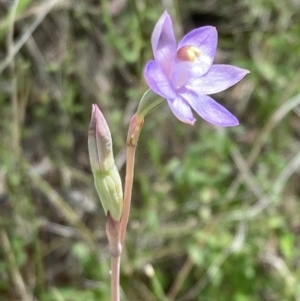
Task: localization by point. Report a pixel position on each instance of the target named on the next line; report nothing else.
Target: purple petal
(217, 79)
(206, 40)
(158, 81)
(210, 110)
(180, 73)
(163, 42)
(182, 110)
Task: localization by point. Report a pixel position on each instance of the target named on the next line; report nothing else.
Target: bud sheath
(106, 176)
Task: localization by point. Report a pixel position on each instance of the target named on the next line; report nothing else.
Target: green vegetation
(215, 212)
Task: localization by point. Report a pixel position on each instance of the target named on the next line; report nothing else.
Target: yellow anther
(188, 53)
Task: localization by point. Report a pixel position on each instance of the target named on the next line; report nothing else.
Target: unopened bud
(106, 176)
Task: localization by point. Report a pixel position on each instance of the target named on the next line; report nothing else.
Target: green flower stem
(149, 102)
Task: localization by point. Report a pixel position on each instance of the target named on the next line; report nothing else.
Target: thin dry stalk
(15, 130)
(15, 273)
(26, 35)
(63, 208)
(279, 114)
(235, 246)
(263, 202)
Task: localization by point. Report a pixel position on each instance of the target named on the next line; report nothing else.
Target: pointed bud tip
(94, 117)
(93, 109)
(99, 124)
(99, 142)
(96, 113)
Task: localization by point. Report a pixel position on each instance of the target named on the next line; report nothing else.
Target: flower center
(188, 53)
(183, 63)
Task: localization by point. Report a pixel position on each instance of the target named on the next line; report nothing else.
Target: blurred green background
(216, 212)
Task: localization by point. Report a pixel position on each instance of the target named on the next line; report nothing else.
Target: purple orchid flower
(184, 75)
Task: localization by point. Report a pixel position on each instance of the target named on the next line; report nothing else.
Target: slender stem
(134, 131)
(116, 230)
(127, 190)
(113, 235)
(115, 277)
